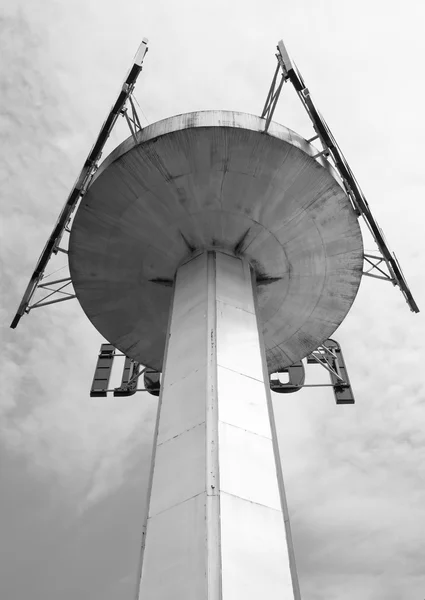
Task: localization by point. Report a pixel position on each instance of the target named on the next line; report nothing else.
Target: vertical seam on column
(279, 472)
(154, 449)
(213, 532)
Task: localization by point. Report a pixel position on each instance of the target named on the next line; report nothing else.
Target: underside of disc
(214, 180)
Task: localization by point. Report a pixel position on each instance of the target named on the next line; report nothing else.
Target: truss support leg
(217, 526)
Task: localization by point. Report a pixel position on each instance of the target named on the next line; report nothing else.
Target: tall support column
(216, 526)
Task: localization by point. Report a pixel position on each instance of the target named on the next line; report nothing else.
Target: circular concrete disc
(214, 180)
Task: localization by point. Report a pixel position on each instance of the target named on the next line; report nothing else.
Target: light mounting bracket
(331, 151)
(83, 181)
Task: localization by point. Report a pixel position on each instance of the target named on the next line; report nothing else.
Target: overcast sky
(73, 469)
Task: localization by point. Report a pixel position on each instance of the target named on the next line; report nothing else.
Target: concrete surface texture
(217, 525)
(214, 180)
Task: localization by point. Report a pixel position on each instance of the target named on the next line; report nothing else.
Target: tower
(217, 247)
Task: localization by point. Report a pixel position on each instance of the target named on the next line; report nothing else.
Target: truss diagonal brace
(133, 122)
(82, 182)
(272, 98)
(372, 265)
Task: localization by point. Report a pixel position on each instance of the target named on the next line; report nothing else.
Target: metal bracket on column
(129, 379)
(325, 356)
(83, 181)
(130, 375)
(296, 379)
(152, 381)
(329, 356)
(330, 150)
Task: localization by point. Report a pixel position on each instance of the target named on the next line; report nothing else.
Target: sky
(73, 469)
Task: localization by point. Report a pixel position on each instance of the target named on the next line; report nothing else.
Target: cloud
(46, 415)
(354, 474)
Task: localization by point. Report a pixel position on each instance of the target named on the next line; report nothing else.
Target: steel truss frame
(384, 266)
(331, 150)
(80, 187)
(58, 290)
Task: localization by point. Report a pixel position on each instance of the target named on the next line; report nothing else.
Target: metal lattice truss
(125, 107)
(326, 357)
(55, 287)
(329, 356)
(131, 373)
(385, 265)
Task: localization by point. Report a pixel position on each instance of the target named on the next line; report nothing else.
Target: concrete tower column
(216, 527)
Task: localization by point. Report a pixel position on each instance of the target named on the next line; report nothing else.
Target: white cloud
(354, 474)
